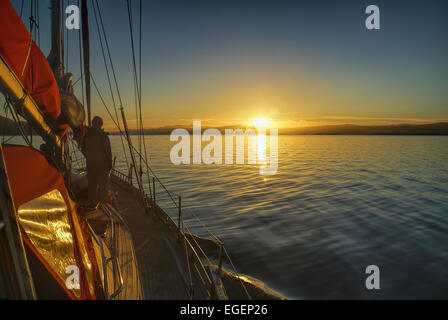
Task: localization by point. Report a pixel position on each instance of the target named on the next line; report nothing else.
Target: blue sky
(295, 62)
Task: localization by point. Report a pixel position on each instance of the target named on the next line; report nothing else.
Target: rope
(189, 268)
(77, 80)
(137, 88)
(66, 47)
(197, 244)
(81, 63)
(110, 85)
(16, 119)
(21, 9)
(108, 52)
(142, 133)
(104, 103)
(237, 274)
(5, 109)
(38, 22)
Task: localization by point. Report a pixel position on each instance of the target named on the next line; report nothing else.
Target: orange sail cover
(29, 64)
(31, 174)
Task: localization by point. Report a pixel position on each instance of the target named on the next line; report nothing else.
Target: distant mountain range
(8, 127)
(345, 129)
(350, 129)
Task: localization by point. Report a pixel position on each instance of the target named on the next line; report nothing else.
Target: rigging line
(112, 67)
(80, 77)
(81, 64)
(104, 103)
(38, 22)
(188, 268)
(113, 120)
(86, 55)
(9, 139)
(140, 74)
(113, 73)
(108, 111)
(145, 162)
(203, 225)
(66, 47)
(108, 51)
(190, 245)
(137, 129)
(162, 235)
(105, 61)
(110, 114)
(5, 108)
(137, 81)
(21, 9)
(140, 61)
(62, 35)
(136, 89)
(31, 18)
(140, 56)
(174, 202)
(109, 82)
(238, 275)
(197, 243)
(16, 119)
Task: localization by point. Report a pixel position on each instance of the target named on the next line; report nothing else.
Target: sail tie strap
(27, 56)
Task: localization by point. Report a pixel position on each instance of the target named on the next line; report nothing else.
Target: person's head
(97, 122)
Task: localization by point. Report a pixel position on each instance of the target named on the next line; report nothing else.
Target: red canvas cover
(29, 65)
(31, 175)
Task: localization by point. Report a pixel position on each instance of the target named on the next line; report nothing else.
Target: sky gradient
(298, 63)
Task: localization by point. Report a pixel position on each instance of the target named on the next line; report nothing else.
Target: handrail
(190, 244)
(113, 258)
(103, 261)
(214, 237)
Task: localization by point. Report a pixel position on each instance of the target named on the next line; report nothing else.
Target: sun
(260, 122)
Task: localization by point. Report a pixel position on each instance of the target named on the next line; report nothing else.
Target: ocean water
(336, 205)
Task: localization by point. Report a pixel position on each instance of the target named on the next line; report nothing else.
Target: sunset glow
(261, 123)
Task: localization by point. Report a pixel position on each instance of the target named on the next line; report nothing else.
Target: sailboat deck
(161, 258)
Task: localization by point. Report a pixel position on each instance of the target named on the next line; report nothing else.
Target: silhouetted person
(99, 161)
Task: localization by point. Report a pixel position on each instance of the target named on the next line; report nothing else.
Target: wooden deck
(151, 239)
(163, 267)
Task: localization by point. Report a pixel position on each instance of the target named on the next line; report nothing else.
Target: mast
(56, 55)
(86, 52)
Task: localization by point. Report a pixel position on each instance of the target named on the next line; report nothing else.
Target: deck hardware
(180, 225)
(220, 259)
(154, 190)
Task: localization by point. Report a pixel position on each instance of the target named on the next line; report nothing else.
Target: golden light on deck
(260, 123)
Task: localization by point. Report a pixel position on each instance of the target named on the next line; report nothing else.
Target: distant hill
(350, 129)
(9, 127)
(345, 129)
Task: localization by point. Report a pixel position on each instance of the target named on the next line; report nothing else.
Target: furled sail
(30, 66)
